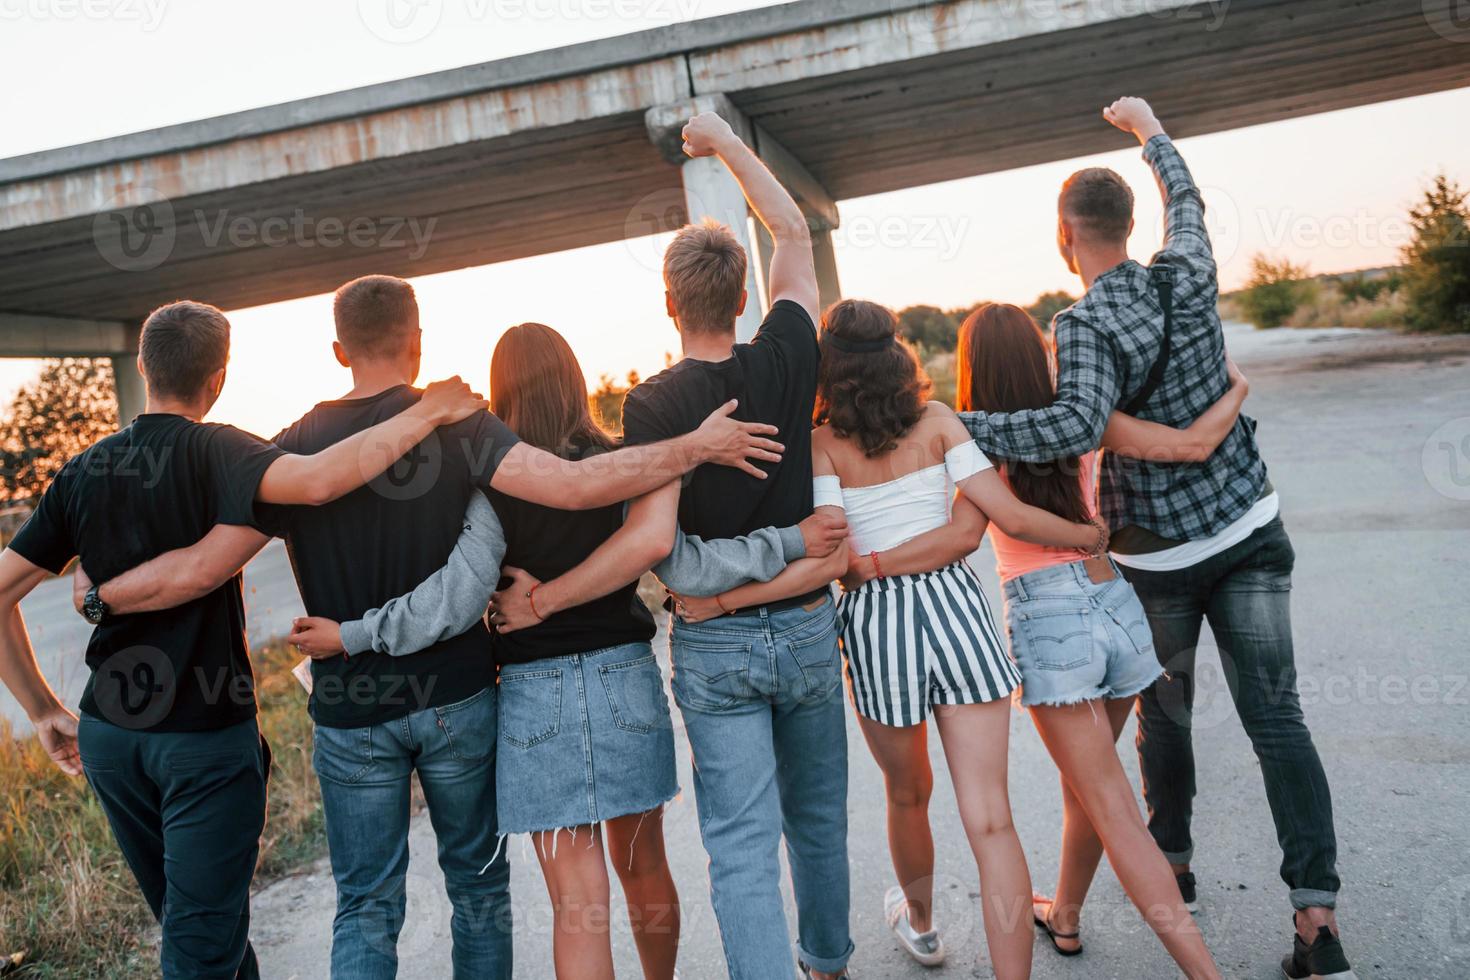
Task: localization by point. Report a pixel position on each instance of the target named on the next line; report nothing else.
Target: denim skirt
(583, 738)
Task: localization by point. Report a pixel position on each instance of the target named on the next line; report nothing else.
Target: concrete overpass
(574, 146)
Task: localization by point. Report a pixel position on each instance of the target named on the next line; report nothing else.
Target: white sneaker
(925, 947)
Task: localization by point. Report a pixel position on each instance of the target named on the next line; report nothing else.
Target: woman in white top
(924, 642)
(1077, 632)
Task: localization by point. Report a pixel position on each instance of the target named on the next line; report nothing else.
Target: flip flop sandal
(1052, 934)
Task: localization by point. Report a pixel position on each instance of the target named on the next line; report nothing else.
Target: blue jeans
(364, 775)
(1245, 593)
(761, 696)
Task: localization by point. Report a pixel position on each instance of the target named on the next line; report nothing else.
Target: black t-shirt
(547, 543)
(159, 484)
(378, 542)
(775, 378)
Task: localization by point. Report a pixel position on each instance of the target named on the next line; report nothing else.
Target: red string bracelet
(531, 598)
(877, 567)
(720, 601)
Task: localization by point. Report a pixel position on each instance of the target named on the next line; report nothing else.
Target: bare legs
(575, 868)
(976, 744)
(903, 756)
(1101, 814)
(636, 845)
(975, 738)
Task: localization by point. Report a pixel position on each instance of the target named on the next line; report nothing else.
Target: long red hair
(1004, 365)
(538, 389)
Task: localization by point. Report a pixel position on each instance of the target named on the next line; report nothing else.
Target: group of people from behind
(1118, 479)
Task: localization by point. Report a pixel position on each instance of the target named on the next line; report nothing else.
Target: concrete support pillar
(132, 395)
(711, 191)
(829, 290)
(823, 257)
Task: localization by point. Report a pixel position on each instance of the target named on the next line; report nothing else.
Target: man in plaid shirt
(1196, 540)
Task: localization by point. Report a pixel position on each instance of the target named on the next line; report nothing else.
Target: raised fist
(705, 133)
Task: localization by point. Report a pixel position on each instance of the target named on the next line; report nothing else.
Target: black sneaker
(1186, 891)
(1322, 960)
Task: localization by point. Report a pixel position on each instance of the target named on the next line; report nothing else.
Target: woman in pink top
(1076, 630)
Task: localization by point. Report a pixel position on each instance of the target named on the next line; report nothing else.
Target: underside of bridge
(570, 147)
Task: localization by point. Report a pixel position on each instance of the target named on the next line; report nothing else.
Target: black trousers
(1245, 593)
(187, 809)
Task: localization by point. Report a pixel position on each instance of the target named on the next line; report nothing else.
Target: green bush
(1048, 305)
(928, 327)
(1274, 291)
(1436, 275)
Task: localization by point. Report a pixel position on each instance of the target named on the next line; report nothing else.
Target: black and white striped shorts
(915, 641)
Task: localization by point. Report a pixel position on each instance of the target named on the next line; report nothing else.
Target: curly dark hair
(873, 395)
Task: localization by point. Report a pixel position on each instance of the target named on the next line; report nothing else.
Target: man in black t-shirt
(381, 718)
(168, 737)
(760, 689)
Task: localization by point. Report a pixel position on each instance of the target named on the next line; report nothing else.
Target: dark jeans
(1245, 593)
(366, 795)
(187, 809)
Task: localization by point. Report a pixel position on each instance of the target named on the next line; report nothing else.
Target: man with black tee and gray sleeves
(168, 737)
(380, 718)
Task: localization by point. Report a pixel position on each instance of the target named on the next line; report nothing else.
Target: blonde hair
(704, 272)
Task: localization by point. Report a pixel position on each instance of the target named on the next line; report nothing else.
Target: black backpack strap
(1161, 275)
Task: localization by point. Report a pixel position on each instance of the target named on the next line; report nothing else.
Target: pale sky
(1329, 191)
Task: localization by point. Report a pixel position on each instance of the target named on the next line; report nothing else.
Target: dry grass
(66, 897)
(1330, 309)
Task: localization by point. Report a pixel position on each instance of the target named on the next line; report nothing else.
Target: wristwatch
(93, 607)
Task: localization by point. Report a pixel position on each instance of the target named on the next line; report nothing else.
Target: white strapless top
(885, 515)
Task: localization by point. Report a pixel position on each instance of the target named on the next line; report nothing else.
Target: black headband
(859, 346)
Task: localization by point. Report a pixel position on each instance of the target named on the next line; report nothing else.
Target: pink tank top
(1014, 557)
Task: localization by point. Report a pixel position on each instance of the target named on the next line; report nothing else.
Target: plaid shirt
(1106, 343)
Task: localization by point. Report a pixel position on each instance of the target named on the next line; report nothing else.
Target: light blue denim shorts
(1075, 640)
(583, 738)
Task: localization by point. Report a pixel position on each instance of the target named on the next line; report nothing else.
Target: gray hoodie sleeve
(446, 603)
(697, 567)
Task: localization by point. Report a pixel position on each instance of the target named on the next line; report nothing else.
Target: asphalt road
(1368, 439)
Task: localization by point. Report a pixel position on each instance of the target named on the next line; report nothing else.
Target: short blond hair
(704, 272)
